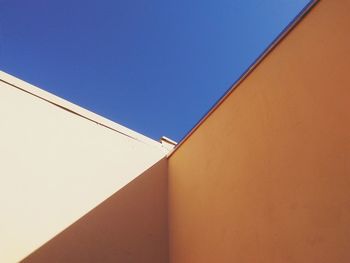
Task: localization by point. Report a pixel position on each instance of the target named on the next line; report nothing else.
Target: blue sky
(155, 66)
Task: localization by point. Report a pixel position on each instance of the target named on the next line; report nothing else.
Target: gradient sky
(155, 66)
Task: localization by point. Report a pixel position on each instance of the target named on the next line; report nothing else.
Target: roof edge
(249, 70)
(75, 109)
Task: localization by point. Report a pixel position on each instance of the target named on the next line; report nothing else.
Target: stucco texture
(266, 177)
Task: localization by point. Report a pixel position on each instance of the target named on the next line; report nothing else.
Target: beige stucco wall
(131, 226)
(266, 177)
(58, 162)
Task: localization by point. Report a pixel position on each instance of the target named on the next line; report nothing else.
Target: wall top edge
(248, 71)
(77, 110)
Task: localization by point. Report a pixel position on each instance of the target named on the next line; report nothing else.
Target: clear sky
(155, 66)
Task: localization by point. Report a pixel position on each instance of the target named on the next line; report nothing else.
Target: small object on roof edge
(168, 143)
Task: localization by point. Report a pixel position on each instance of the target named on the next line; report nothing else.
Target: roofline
(249, 70)
(75, 109)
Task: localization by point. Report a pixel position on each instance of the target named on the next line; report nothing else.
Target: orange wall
(130, 226)
(266, 177)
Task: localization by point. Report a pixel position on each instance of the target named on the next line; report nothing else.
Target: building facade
(264, 176)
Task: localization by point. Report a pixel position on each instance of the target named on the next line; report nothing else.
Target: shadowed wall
(129, 227)
(57, 162)
(266, 176)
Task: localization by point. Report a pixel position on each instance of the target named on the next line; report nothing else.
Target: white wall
(55, 165)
